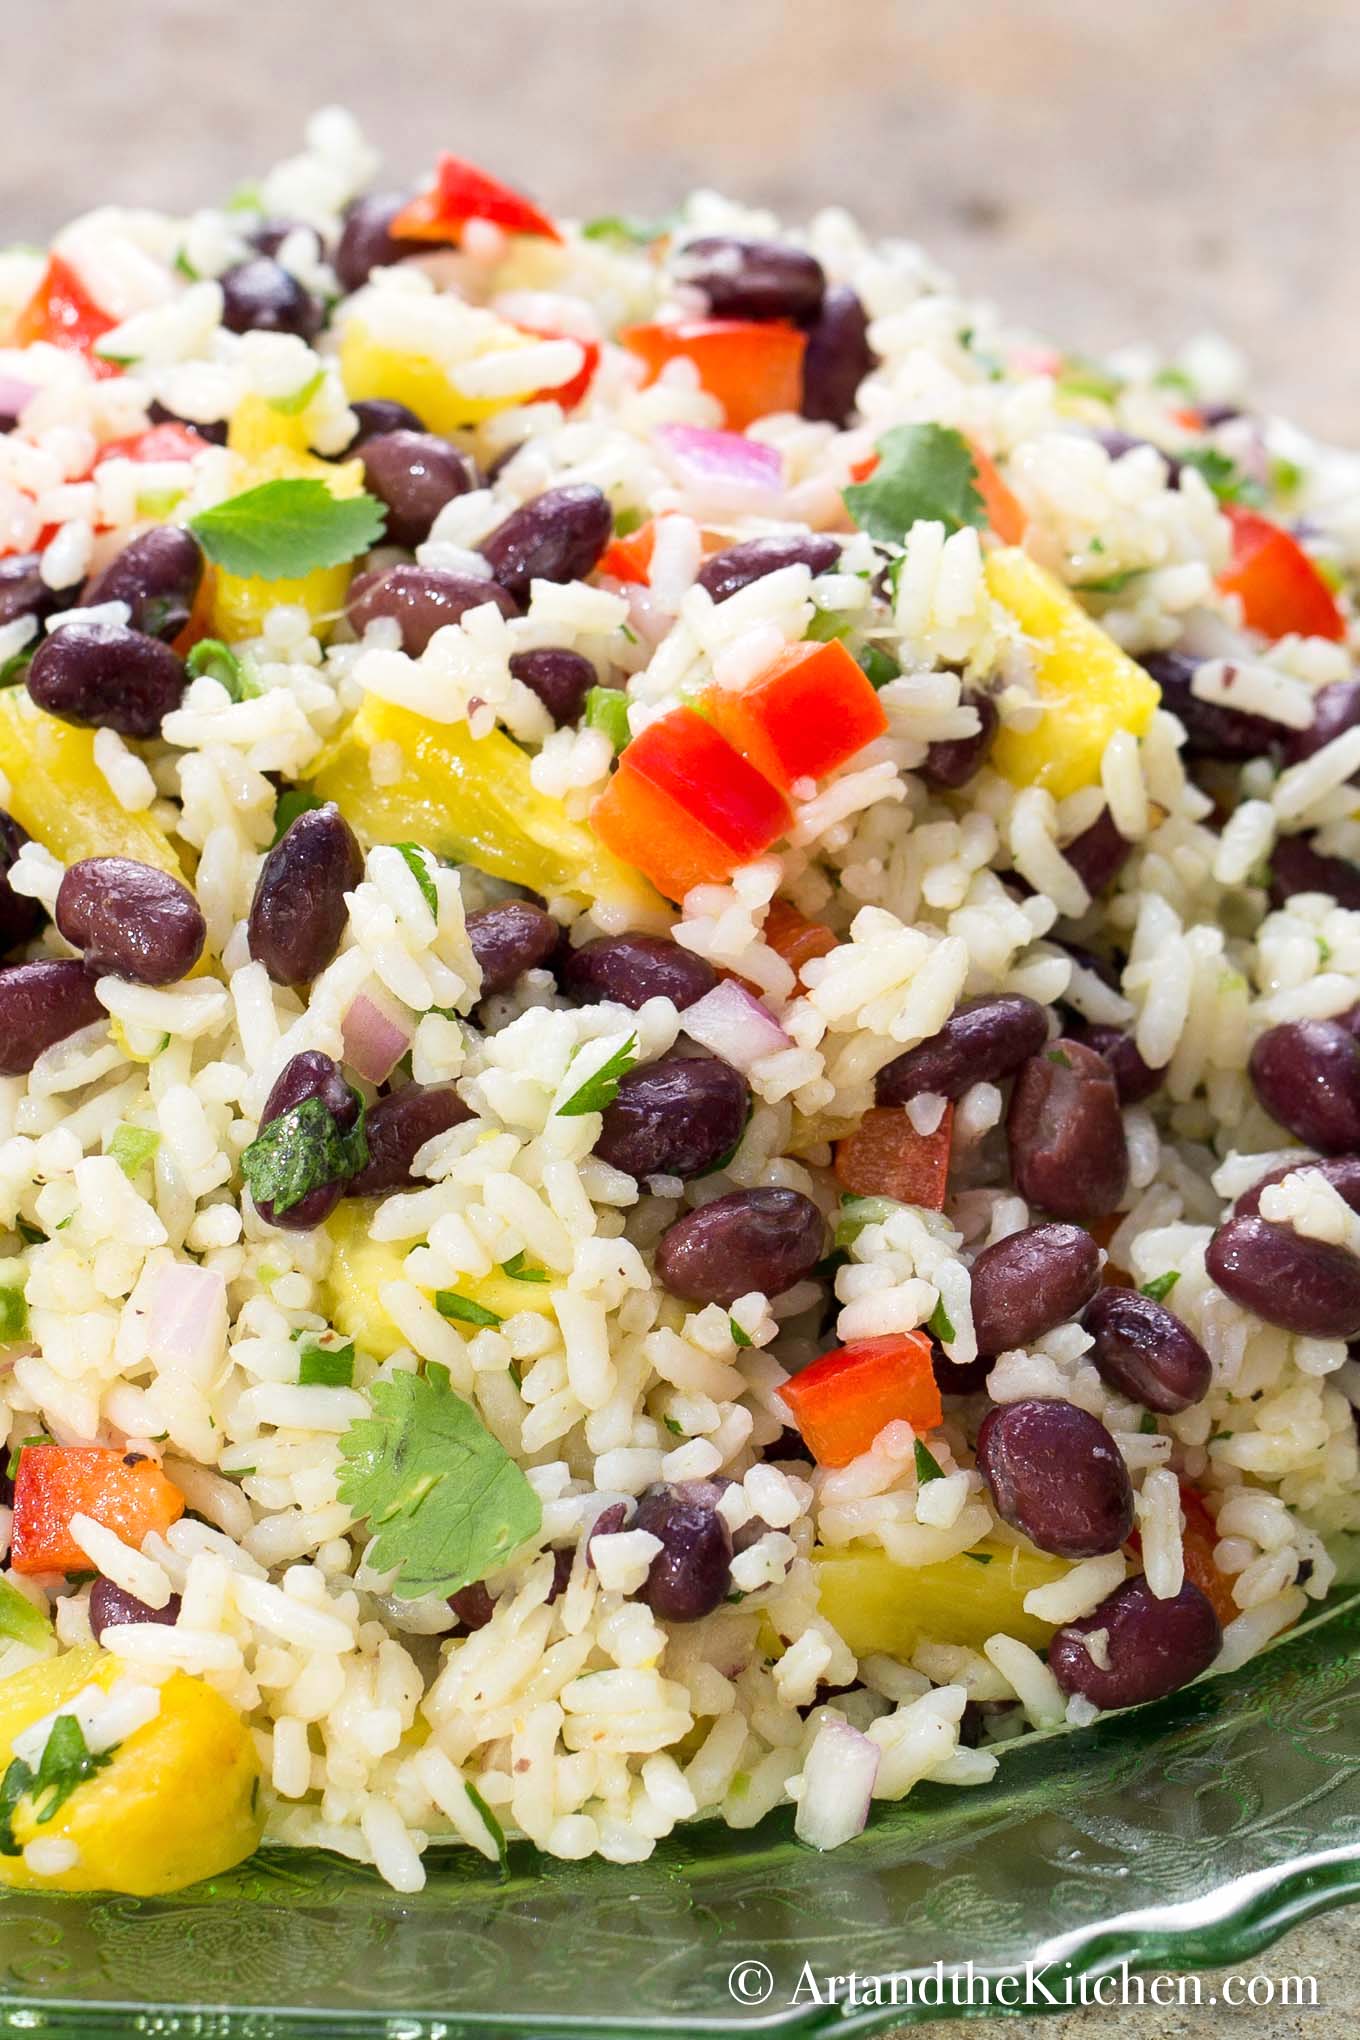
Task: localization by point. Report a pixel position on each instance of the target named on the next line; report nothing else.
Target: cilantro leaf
(940, 1323)
(450, 1304)
(928, 1466)
(14, 671)
(13, 1316)
(414, 856)
(924, 471)
(293, 406)
(1147, 1425)
(607, 710)
(1162, 1285)
(1110, 584)
(1223, 475)
(624, 230)
(518, 1269)
(877, 666)
(444, 1500)
(979, 1557)
(221, 664)
(492, 1826)
(299, 1151)
(740, 1337)
(600, 1090)
(285, 529)
(325, 1360)
(132, 1147)
(66, 1762)
(20, 1620)
(296, 801)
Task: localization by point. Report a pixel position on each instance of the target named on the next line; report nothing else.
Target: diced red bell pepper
(1198, 1540)
(648, 829)
(842, 1401)
(1004, 515)
(462, 192)
(751, 366)
(793, 937)
(62, 312)
(170, 441)
(1280, 588)
(629, 559)
(570, 393)
(127, 1494)
(886, 1157)
(805, 715)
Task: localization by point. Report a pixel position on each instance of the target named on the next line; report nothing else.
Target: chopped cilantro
(325, 1360)
(492, 1826)
(66, 1762)
(601, 1089)
(826, 625)
(132, 1147)
(13, 1316)
(1110, 584)
(29, 1234)
(1285, 475)
(14, 671)
(923, 472)
(518, 1269)
(1147, 1425)
(283, 530)
(414, 857)
(296, 801)
(296, 404)
(221, 664)
(626, 522)
(299, 1151)
(979, 1557)
(1162, 1285)
(1081, 378)
(33, 1438)
(1223, 475)
(624, 230)
(678, 1430)
(740, 1337)
(1060, 1057)
(450, 1304)
(939, 1323)
(928, 1466)
(877, 666)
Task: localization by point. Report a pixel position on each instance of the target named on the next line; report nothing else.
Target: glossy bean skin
(157, 575)
(297, 917)
(420, 600)
(558, 536)
(271, 234)
(1301, 1285)
(1030, 1281)
(1067, 1146)
(110, 1607)
(740, 565)
(1055, 1474)
(1098, 854)
(214, 430)
(107, 676)
(23, 591)
(559, 677)
(953, 761)
(751, 279)
(691, 1575)
(1341, 1171)
(261, 296)
(40, 1004)
(510, 938)
(1117, 443)
(312, 1074)
(20, 917)
(473, 1606)
(1144, 1351)
(630, 969)
(1152, 1647)
(838, 357)
(1211, 731)
(1296, 867)
(377, 416)
(982, 1041)
(1306, 1074)
(1336, 709)
(367, 241)
(397, 1127)
(130, 920)
(762, 1239)
(1133, 1078)
(676, 1117)
(414, 474)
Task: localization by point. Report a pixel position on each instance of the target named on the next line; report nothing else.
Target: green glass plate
(1190, 1834)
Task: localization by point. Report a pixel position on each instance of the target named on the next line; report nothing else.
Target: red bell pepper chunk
(804, 716)
(1004, 515)
(793, 937)
(569, 393)
(630, 559)
(751, 366)
(461, 193)
(170, 441)
(842, 1401)
(1280, 588)
(686, 758)
(648, 829)
(1197, 1541)
(62, 312)
(128, 1495)
(886, 1157)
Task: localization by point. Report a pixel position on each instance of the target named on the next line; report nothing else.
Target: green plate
(1189, 1834)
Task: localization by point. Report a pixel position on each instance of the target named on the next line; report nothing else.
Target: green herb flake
(66, 1762)
(299, 1151)
(1223, 475)
(1162, 1285)
(740, 1337)
(31, 1235)
(13, 1316)
(1081, 378)
(492, 1826)
(33, 1438)
(325, 1360)
(283, 530)
(827, 626)
(923, 472)
(1110, 584)
(877, 666)
(221, 664)
(626, 522)
(928, 1466)
(599, 1091)
(14, 670)
(185, 268)
(518, 1269)
(607, 709)
(296, 404)
(132, 1147)
(624, 230)
(1175, 379)
(415, 859)
(20, 1621)
(296, 801)
(1147, 1425)
(444, 1500)
(1058, 1056)
(450, 1304)
(979, 1557)
(676, 1430)
(1285, 475)
(939, 1323)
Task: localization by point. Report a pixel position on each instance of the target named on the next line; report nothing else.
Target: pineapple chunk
(361, 1268)
(880, 1606)
(177, 1803)
(1090, 688)
(368, 368)
(58, 793)
(271, 447)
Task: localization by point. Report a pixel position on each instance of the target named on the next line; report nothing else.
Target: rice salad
(679, 1091)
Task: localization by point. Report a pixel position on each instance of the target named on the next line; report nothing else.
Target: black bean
(749, 1240)
(415, 474)
(1031, 1281)
(982, 1041)
(111, 1607)
(838, 357)
(367, 241)
(1152, 1647)
(397, 1127)
(1067, 1146)
(691, 1575)
(676, 1117)
(20, 917)
(1055, 1474)
(1306, 1074)
(607, 1524)
(1336, 709)
(1133, 1078)
(1098, 854)
(298, 914)
(953, 1377)
(736, 568)
(1117, 443)
(1341, 1171)
(40, 1004)
(630, 969)
(1302, 1285)
(269, 236)
(214, 430)
(376, 416)
(1296, 867)
(23, 591)
(751, 279)
(953, 761)
(558, 536)
(421, 600)
(508, 939)
(1144, 1351)
(106, 676)
(131, 920)
(157, 575)
(312, 1074)
(1211, 731)
(261, 296)
(559, 677)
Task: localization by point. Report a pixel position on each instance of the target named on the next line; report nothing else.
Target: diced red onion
(726, 470)
(186, 1327)
(374, 1042)
(838, 1786)
(14, 394)
(734, 1025)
